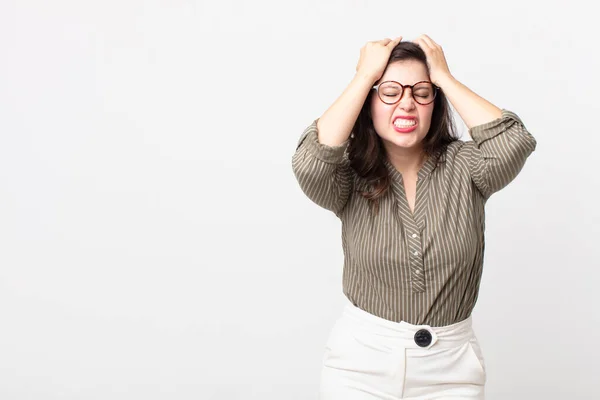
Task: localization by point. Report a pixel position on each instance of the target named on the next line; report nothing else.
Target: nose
(407, 102)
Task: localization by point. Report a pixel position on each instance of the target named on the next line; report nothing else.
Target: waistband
(441, 336)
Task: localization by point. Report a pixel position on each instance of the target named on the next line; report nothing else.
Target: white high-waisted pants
(368, 357)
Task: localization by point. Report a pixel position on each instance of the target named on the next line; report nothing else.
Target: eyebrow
(387, 80)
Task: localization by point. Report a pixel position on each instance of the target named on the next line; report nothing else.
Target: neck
(407, 161)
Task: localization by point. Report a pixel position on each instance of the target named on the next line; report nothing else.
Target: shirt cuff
(325, 153)
(488, 130)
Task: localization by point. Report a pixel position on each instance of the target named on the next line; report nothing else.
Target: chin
(408, 141)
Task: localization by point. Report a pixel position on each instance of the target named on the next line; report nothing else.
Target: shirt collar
(425, 170)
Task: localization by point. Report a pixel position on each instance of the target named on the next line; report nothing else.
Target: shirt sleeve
(498, 152)
(323, 171)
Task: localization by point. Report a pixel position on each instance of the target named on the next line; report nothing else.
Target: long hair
(366, 152)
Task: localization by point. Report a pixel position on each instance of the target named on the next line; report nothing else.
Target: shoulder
(460, 150)
(457, 155)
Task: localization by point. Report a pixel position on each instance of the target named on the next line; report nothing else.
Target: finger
(429, 41)
(421, 41)
(395, 41)
(421, 44)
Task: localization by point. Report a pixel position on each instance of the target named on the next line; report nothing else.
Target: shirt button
(416, 253)
(417, 271)
(414, 235)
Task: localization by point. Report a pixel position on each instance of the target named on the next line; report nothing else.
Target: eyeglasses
(390, 92)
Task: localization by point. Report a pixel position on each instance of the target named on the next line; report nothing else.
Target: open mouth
(405, 125)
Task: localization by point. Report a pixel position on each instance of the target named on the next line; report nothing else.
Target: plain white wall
(154, 243)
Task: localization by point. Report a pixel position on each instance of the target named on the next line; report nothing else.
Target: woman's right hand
(374, 57)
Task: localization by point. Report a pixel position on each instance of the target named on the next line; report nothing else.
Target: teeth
(404, 122)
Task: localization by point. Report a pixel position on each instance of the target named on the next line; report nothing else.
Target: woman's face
(406, 72)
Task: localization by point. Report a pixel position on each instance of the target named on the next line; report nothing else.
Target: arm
(320, 162)
(322, 171)
(472, 108)
(501, 143)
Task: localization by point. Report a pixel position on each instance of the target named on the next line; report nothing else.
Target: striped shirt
(426, 267)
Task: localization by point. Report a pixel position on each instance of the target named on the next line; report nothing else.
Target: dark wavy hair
(366, 152)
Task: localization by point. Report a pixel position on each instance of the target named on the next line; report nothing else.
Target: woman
(386, 160)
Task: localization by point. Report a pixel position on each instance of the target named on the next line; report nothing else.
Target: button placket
(415, 257)
(414, 222)
(416, 230)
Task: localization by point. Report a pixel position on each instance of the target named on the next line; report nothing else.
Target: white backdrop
(154, 243)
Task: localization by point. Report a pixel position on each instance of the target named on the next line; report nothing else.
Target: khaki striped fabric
(426, 267)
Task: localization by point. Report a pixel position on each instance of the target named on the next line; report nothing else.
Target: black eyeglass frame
(435, 90)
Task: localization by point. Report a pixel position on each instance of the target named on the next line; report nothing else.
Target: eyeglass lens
(391, 92)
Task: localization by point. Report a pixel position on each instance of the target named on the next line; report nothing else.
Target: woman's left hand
(438, 67)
